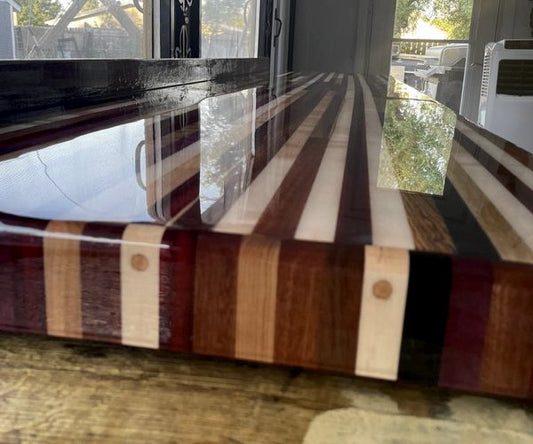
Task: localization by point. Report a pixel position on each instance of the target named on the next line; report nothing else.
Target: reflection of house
(7, 39)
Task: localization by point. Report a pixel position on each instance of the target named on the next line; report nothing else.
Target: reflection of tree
(219, 13)
(452, 16)
(40, 12)
(416, 145)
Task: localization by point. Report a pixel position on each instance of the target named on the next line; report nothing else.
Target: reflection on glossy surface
(91, 177)
(417, 141)
(227, 140)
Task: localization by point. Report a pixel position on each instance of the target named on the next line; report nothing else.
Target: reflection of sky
(89, 178)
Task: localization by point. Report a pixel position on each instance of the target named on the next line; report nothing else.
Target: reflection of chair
(68, 48)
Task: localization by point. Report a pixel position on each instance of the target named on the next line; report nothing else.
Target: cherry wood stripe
(468, 316)
(505, 239)
(245, 213)
(62, 279)
(320, 215)
(383, 300)
(354, 220)
(140, 274)
(317, 312)
(176, 290)
(507, 363)
(282, 214)
(385, 204)
(22, 301)
(215, 294)
(100, 282)
(518, 216)
(429, 230)
(257, 283)
(512, 181)
(426, 314)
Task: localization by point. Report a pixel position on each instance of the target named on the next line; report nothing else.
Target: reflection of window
(430, 46)
(229, 28)
(78, 29)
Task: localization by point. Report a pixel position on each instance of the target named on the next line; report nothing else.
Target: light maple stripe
(509, 244)
(386, 205)
(257, 284)
(516, 214)
(383, 300)
(329, 77)
(522, 172)
(62, 274)
(246, 211)
(319, 218)
(139, 279)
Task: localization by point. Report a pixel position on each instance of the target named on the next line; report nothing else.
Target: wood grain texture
(140, 275)
(257, 284)
(502, 234)
(215, 294)
(382, 314)
(176, 290)
(70, 392)
(62, 279)
(430, 232)
(317, 312)
(318, 223)
(100, 282)
(468, 316)
(500, 230)
(507, 363)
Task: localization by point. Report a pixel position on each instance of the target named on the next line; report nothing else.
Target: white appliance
(506, 104)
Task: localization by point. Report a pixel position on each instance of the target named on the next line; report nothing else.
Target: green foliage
(417, 141)
(217, 13)
(452, 16)
(41, 11)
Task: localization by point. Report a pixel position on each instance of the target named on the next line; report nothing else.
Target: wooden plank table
(345, 224)
(59, 391)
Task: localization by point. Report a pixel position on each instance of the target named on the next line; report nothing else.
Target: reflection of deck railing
(419, 46)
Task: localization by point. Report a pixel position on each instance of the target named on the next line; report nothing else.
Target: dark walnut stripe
(468, 316)
(176, 290)
(282, 215)
(215, 294)
(318, 302)
(354, 222)
(518, 154)
(426, 313)
(430, 233)
(468, 236)
(514, 185)
(23, 303)
(269, 139)
(100, 282)
(507, 363)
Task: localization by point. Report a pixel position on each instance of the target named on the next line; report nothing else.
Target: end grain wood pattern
(300, 259)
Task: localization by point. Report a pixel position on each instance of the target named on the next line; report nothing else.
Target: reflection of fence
(78, 42)
(418, 47)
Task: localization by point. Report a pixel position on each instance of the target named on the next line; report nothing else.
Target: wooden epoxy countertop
(297, 231)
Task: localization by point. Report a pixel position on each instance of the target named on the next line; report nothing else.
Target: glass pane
(432, 49)
(229, 28)
(52, 29)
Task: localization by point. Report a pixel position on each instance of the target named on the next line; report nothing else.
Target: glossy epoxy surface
(345, 225)
(289, 166)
